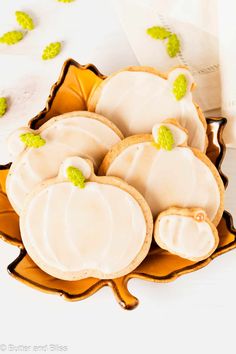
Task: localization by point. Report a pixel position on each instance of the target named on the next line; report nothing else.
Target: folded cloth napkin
(227, 58)
(196, 23)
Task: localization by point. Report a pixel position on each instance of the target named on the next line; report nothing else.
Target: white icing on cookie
(76, 134)
(136, 100)
(68, 231)
(77, 162)
(185, 236)
(14, 144)
(168, 178)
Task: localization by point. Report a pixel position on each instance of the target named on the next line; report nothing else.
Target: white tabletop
(195, 313)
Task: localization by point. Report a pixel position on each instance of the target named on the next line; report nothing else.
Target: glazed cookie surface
(137, 98)
(167, 172)
(79, 225)
(187, 233)
(37, 154)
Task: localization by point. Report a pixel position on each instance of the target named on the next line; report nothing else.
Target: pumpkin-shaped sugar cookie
(187, 233)
(37, 154)
(167, 172)
(137, 98)
(79, 225)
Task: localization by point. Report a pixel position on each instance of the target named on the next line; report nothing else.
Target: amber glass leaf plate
(71, 93)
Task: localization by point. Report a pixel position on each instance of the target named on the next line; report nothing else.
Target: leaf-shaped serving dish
(71, 93)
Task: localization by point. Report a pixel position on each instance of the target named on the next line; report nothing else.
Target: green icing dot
(51, 51)
(3, 106)
(75, 176)
(173, 45)
(165, 139)
(32, 140)
(158, 32)
(24, 20)
(180, 87)
(11, 37)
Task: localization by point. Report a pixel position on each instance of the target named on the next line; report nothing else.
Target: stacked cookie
(145, 139)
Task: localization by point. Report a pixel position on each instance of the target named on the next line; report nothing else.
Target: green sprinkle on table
(173, 45)
(11, 37)
(65, 1)
(3, 106)
(157, 32)
(24, 20)
(51, 51)
(171, 40)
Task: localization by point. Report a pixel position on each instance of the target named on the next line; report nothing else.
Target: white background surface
(194, 314)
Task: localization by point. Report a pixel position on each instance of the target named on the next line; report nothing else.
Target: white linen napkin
(227, 56)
